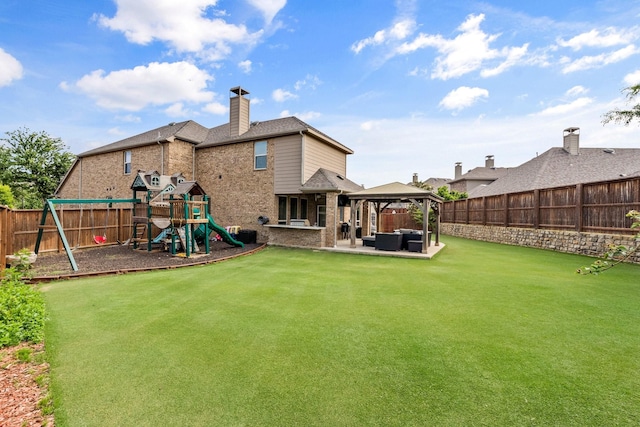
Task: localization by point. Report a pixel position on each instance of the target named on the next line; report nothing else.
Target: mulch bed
(117, 259)
(20, 393)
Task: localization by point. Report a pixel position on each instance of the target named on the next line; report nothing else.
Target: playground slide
(226, 237)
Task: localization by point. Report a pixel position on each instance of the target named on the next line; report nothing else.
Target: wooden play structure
(166, 210)
(170, 209)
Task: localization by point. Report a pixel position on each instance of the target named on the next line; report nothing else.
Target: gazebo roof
(395, 191)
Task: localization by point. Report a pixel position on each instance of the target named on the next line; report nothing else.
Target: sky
(411, 86)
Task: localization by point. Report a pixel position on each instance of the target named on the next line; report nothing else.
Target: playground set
(171, 212)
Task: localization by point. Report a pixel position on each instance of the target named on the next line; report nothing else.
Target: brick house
(281, 169)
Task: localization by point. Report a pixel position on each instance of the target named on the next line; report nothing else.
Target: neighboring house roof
(436, 183)
(481, 173)
(189, 131)
(325, 180)
(556, 167)
(221, 135)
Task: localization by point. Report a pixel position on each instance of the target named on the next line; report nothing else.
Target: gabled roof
(481, 174)
(221, 135)
(324, 180)
(556, 167)
(395, 191)
(188, 131)
(436, 183)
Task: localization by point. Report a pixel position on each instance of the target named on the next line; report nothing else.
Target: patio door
(322, 215)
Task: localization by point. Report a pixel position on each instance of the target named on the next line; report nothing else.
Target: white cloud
(398, 31)
(216, 108)
(245, 66)
(463, 97)
(597, 61)
(465, 53)
(632, 79)
(309, 81)
(155, 84)
(577, 90)
(285, 113)
(129, 118)
(269, 8)
(11, 69)
(307, 116)
(566, 108)
(177, 110)
(610, 37)
(185, 28)
(281, 95)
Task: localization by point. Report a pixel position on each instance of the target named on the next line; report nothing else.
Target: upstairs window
(127, 162)
(155, 180)
(260, 155)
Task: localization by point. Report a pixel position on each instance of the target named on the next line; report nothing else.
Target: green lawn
(484, 334)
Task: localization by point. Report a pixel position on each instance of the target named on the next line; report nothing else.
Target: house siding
(238, 193)
(320, 155)
(288, 164)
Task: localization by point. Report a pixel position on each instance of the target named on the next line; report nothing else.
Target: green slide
(226, 237)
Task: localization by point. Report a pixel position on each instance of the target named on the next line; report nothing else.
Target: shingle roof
(481, 174)
(189, 131)
(556, 167)
(220, 135)
(325, 180)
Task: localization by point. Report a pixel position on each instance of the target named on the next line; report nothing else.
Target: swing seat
(100, 239)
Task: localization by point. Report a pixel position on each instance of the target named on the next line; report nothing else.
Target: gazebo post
(352, 227)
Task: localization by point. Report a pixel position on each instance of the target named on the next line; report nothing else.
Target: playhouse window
(260, 155)
(155, 180)
(127, 162)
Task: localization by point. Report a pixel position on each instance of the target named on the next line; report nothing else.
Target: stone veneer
(301, 237)
(591, 244)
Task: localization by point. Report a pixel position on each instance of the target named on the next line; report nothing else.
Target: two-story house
(281, 169)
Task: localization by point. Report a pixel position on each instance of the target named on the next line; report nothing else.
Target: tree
(6, 196)
(33, 163)
(615, 253)
(443, 192)
(625, 117)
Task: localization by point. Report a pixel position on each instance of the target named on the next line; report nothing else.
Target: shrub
(22, 311)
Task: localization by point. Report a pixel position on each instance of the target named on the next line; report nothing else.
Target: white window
(155, 180)
(127, 162)
(260, 155)
(322, 215)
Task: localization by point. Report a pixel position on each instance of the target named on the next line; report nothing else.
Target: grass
(484, 334)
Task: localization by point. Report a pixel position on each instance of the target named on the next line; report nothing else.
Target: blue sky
(410, 86)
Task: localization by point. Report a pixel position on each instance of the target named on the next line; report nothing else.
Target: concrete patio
(343, 247)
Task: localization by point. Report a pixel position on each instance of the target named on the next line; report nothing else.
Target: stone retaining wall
(591, 244)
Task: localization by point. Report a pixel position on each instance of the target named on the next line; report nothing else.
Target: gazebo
(396, 192)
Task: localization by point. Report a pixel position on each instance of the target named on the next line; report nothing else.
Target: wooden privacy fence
(598, 207)
(81, 225)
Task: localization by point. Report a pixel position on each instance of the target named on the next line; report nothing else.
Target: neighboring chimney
(571, 140)
(238, 112)
(488, 161)
(415, 179)
(458, 172)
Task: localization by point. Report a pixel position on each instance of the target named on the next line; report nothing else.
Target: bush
(22, 311)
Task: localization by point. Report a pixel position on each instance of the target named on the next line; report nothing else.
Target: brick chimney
(458, 170)
(571, 140)
(238, 112)
(488, 161)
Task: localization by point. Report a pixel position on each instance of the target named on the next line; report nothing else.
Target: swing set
(49, 206)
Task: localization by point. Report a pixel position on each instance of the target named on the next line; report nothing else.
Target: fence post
(579, 203)
(506, 210)
(536, 209)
